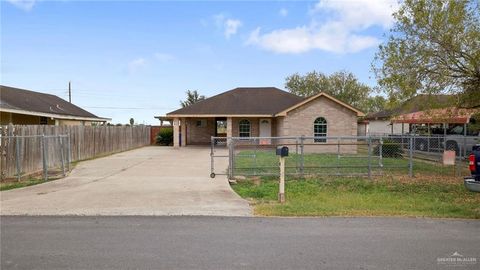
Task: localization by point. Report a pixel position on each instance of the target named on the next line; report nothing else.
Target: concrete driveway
(145, 181)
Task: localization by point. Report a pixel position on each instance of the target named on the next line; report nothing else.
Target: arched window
(244, 128)
(320, 129)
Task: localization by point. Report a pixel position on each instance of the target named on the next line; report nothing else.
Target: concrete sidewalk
(146, 181)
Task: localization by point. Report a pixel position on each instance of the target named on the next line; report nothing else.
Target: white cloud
(163, 57)
(229, 26)
(283, 12)
(339, 33)
(136, 64)
(25, 5)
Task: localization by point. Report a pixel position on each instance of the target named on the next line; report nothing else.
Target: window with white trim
(320, 130)
(244, 128)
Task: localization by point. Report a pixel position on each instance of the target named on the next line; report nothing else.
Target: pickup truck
(461, 144)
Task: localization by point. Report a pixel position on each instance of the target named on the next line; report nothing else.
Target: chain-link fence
(45, 155)
(340, 156)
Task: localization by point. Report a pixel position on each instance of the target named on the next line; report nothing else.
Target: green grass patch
(362, 197)
(266, 163)
(23, 183)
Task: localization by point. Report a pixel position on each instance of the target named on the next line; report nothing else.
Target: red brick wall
(154, 130)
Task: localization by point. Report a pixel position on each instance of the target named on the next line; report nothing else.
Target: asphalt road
(235, 243)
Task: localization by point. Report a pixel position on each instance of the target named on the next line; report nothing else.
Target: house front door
(265, 130)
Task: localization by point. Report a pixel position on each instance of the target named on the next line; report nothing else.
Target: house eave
(214, 115)
(56, 116)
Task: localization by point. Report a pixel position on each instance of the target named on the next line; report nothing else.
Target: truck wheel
(453, 147)
(422, 146)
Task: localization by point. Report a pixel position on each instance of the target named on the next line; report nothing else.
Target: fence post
(255, 157)
(380, 158)
(17, 156)
(212, 168)
(69, 157)
(369, 157)
(302, 164)
(296, 156)
(62, 154)
(281, 191)
(230, 158)
(338, 156)
(410, 157)
(44, 158)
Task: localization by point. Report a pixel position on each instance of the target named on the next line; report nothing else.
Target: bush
(390, 148)
(165, 137)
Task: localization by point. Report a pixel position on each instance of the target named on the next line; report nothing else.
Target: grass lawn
(266, 163)
(362, 197)
(433, 192)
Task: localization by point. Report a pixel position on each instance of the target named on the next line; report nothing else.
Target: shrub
(390, 148)
(165, 137)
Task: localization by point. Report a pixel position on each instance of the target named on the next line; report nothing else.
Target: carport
(445, 117)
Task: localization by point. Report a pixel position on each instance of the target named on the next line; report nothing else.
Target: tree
(342, 85)
(375, 104)
(433, 48)
(132, 121)
(192, 97)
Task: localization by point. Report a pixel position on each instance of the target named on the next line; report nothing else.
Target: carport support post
(176, 133)
(183, 128)
(281, 192)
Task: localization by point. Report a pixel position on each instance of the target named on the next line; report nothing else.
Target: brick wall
(340, 122)
(200, 135)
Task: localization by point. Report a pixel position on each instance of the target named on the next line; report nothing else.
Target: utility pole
(70, 91)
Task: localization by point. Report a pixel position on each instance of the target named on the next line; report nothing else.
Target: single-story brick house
(262, 112)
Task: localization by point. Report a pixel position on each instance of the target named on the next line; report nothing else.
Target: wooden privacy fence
(28, 149)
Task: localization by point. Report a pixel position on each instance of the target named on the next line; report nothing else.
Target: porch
(198, 130)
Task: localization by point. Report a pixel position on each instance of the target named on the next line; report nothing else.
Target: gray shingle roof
(243, 101)
(26, 100)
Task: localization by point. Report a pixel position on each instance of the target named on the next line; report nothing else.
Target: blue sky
(136, 59)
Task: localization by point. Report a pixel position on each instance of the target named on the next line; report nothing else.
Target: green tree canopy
(343, 85)
(434, 47)
(192, 97)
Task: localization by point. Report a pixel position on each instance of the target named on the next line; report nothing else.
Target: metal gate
(219, 157)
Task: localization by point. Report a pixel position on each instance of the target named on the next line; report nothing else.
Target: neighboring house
(25, 107)
(380, 123)
(262, 112)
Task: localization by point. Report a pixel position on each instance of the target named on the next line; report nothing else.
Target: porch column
(176, 132)
(229, 127)
(183, 128)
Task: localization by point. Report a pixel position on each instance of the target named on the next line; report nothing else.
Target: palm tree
(192, 97)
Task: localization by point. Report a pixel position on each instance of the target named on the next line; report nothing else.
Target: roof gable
(258, 101)
(314, 97)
